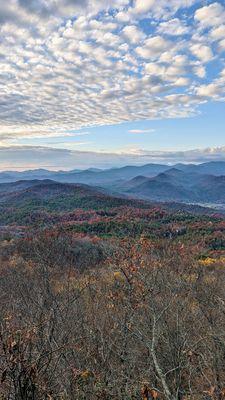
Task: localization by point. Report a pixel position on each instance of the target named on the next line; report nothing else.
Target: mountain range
(94, 176)
(186, 183)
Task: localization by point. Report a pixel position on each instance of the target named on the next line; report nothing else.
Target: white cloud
(159, 8)
(133, 34)
(221, 45)
(218, 33)
(122, 17)
(173, 27)
(155, 69)
(143, 6)
(140, 131)
(211, 15)
(182, 81)
(210, 90)
(199, 71)
(202, 52)
(214, 90)
(153, 47)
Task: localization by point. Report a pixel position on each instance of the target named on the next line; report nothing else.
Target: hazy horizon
(55, 169)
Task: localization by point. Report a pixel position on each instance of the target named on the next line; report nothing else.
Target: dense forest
(115, 300)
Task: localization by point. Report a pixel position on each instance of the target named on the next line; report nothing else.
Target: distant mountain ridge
(203, 183)
(95, 176)
(90, 176)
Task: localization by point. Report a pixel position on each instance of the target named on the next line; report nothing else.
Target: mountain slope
(21, 185)
(21, 205)
(156, 190)
(176, 185)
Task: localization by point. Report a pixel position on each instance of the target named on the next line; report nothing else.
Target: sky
(104, 83)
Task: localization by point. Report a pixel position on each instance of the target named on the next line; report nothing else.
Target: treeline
(92, 319)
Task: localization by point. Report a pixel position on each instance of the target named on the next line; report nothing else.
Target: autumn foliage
(115, 304)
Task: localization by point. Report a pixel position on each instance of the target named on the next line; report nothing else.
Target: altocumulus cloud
(70, 64)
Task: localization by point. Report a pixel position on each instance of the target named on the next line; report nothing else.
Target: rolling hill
(19, 201)
(44, 202)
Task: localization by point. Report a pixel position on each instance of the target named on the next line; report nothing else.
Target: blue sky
(203, 130)
(117, 80)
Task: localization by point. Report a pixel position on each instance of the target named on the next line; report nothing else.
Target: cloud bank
(16, 158)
